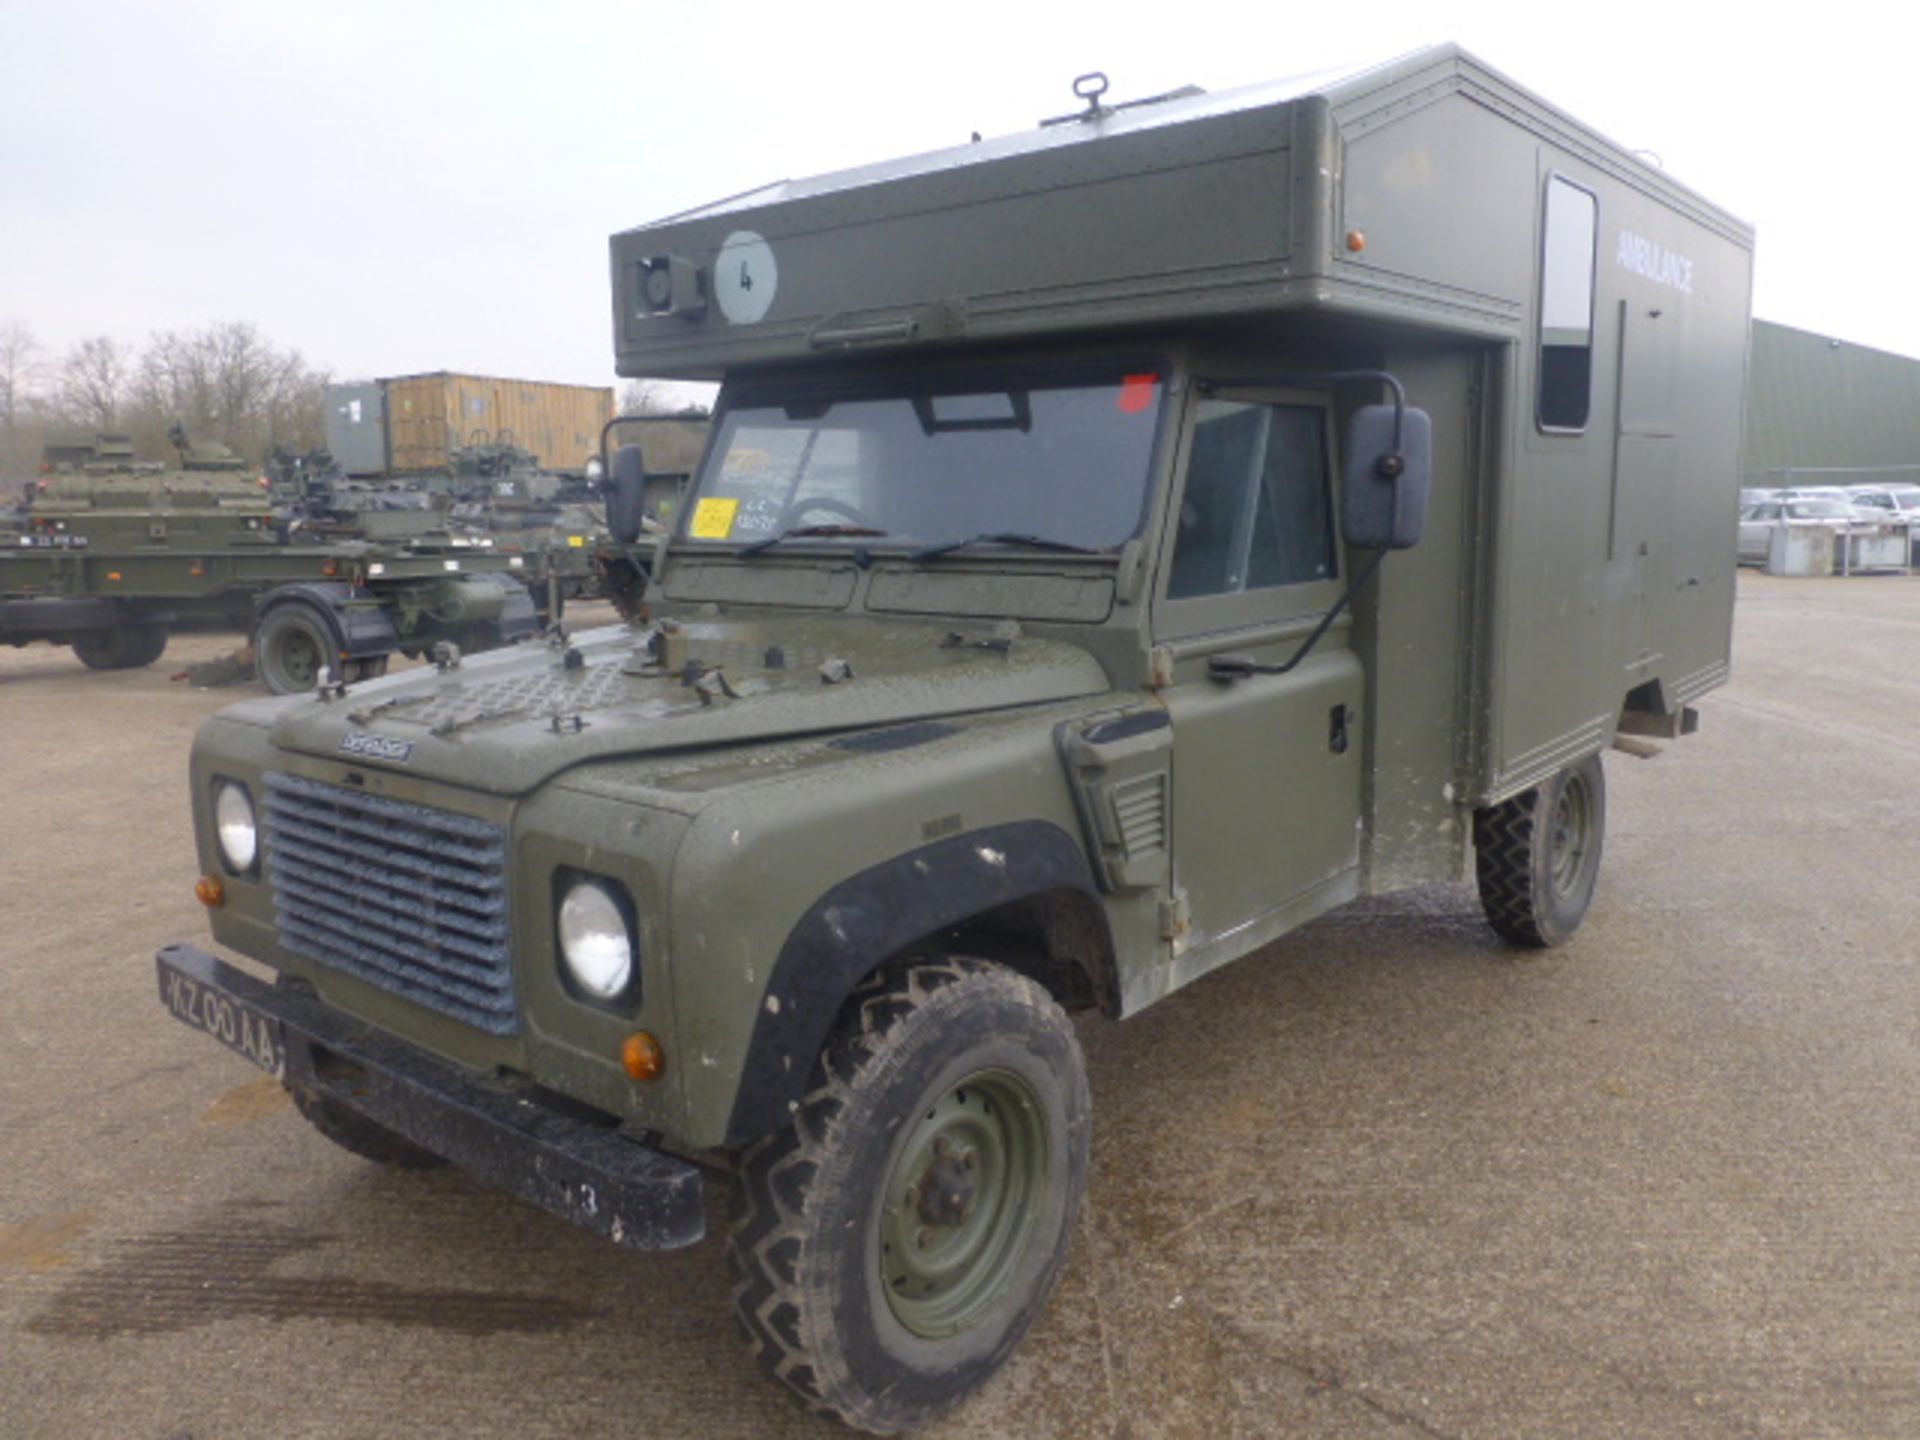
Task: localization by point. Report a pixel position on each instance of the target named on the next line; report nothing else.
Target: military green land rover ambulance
(1117, 545)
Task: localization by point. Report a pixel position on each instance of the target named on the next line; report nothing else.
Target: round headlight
(233, 823)
(594, 939)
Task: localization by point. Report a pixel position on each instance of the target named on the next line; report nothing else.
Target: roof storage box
(1025, 235)
(1367, 192)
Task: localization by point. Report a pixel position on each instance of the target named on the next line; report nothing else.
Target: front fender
(808, 863)
(874, 915)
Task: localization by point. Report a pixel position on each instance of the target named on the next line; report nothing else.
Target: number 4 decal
(746, 277)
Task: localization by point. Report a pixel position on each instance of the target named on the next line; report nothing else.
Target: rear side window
(1566, 306)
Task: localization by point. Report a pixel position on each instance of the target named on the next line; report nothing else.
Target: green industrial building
(1827, 411)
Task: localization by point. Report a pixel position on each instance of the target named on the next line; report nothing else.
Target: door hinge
(1160, 667)
(1173, 919)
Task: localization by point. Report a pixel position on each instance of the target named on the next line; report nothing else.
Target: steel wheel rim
(298, 658)
(1572, 827)
(961, 1203)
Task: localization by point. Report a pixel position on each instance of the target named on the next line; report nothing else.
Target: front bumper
(614, 1186)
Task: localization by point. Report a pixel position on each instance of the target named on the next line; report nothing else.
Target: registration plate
(234, 1023)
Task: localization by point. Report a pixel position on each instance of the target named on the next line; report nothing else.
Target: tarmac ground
(1387, 1178)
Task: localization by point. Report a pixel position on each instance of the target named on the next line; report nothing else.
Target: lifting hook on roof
(1090, 87)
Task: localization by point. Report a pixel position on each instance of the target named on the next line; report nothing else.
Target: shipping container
(421, 418)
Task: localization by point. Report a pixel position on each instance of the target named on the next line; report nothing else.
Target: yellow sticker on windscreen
(713, 518)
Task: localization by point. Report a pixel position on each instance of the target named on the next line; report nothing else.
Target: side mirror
(626, 496)
(1383, 500)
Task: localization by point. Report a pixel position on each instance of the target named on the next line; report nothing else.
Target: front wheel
(891, 1247)
(1538, 855)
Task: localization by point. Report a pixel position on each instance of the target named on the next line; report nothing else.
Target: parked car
(1758, 495)
(1888, 502)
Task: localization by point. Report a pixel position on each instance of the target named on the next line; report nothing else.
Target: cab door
(1267, 768)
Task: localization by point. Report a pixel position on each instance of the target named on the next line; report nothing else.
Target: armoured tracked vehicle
(1118, 545)
(553, 521)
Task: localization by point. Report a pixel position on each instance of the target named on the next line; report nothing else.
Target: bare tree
(665, 397)
(19, 370)
(228, 384)
(93, 381)
(19, 381)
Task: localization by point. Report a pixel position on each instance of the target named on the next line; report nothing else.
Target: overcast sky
(391, 187)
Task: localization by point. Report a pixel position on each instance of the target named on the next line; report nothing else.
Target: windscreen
(1064, 459)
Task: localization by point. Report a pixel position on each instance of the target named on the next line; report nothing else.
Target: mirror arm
(1228, 668)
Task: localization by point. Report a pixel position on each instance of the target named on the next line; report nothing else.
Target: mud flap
(361, 628)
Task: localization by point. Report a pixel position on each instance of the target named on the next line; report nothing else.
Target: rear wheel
(291, 646)
(890, 1249)
(121, 647)
(1538, 855)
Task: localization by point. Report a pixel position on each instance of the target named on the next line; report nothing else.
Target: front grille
(412, 899)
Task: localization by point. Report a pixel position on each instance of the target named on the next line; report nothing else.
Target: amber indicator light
(210, 892)
(330, 567)
(1356, 240)
(641, 1055)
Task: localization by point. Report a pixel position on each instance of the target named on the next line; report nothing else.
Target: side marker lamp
(641, 1055)
(210, 892)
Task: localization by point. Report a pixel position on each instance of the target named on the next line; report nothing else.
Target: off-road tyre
(827, 1214)
(351, 1131)
(122, 647)
(291, 644)
(1538, 855)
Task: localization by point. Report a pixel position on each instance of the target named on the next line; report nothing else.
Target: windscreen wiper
(1003, 537)
(803, 532)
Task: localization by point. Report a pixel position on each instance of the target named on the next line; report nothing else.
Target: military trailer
(112, 555)
(1117, 545)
